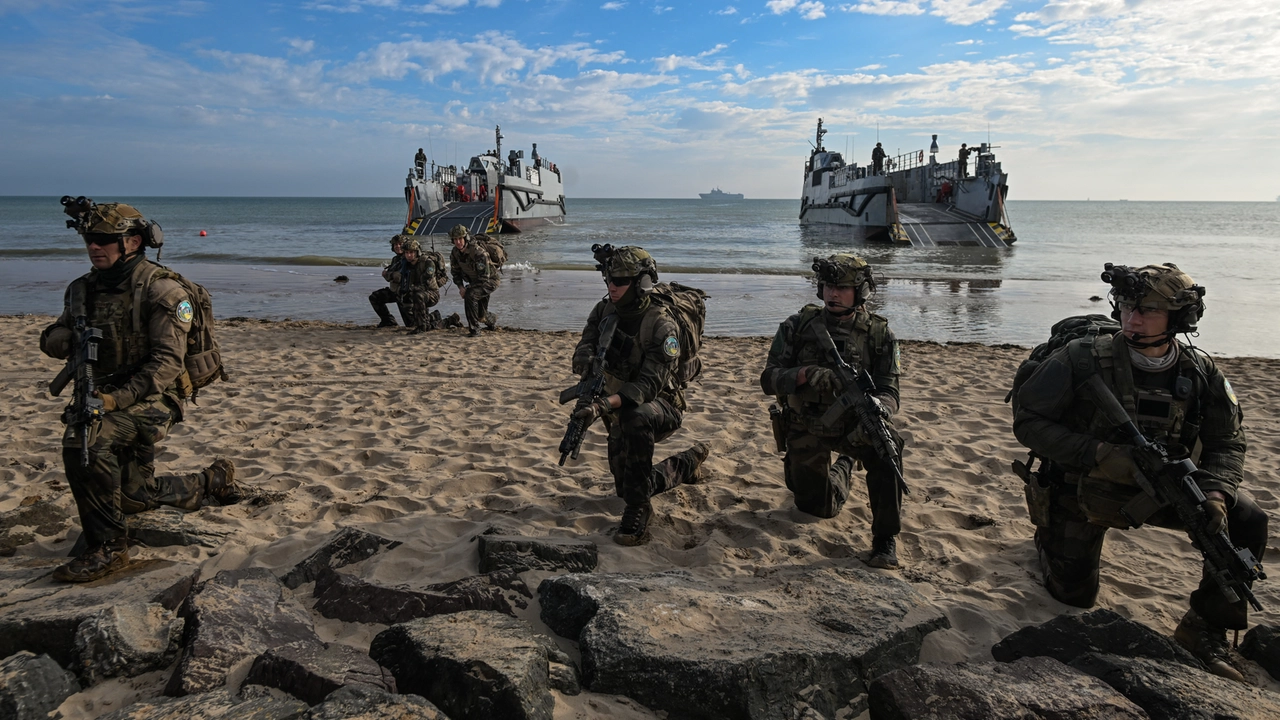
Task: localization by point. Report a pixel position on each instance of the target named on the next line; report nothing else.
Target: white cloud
(728, 10)
(807, 9)
(886, 7)
(671, 63)
(965, 12)
(659, 9)
(868, 68)
(298, 46)
(613, 6)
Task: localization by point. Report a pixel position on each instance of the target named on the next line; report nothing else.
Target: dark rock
(237, 615)
(42, 616)
(1067, 637)
(350, 599)
(310, 670)
(32, 517)
(473, 665)
(1262, 645)
(218, 704)
(361, 702)
(31, 686)
(347, 546)
(1033, 687)
(168, 526)
(742, 648)
(513, 552)
(564, 678)
(1172, 691)
(127, 639)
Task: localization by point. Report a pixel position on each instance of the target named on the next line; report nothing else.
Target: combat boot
(453, 321)
(473, 332)
(1208, 643)
(220, 482)
(634, 528)
(491, 321)
(692, 459)
(884, 553)
(95, 563)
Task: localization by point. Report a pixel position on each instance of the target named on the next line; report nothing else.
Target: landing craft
(909, 200)
(488, 195)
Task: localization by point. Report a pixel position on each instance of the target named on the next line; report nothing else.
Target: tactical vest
(625, 356)
(861, 344)
(124, 317)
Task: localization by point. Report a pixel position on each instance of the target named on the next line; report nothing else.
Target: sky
(1101, 99)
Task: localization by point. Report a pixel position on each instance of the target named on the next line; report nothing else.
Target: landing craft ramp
(934, 225)
(476, 216)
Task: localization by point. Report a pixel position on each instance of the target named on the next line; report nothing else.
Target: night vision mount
(81, 209)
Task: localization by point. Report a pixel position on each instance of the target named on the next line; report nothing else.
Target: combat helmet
(397, 239)
(457, 231)
(845, 270)
(629, 261)
(116, 220)
(411, 243)
(1159, 287)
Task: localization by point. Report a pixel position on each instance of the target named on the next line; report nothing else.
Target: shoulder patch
(183, 312)
(1231, 393)
(671, 346)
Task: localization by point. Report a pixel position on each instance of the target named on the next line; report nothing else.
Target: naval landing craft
(488, 196)
(909, 200)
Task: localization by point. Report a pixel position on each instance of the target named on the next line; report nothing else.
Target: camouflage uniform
(419, 291)
(1188, 405)
(472, 269)
(382, 297)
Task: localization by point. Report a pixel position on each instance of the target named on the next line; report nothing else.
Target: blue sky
(1160, 100)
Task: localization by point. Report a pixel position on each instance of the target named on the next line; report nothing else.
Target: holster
(778, 420)
(1037, 489)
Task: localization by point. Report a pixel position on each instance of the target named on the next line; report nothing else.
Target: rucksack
(203, 361)
(494, 248)
(688, 307)
(1062, 332)
(442, 275)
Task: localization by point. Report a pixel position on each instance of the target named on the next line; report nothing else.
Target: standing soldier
(877, 160)
(963, 157)
(476, 278)
(800, 373)
(143, 316)
(390, 294)
(1176, 396)
(420, 163)
(642, 403)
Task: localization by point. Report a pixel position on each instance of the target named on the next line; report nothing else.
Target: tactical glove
(1215, 513)
(581, 365)
(596, 409)
(108, 402)
(1115, 463)
(823, 380)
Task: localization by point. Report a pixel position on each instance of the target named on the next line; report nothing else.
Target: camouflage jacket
(642, 358)
(471, 265)
(418, 276)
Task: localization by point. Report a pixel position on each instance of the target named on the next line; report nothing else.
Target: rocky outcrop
(345, 547)
(1067, 637)
(1172, 691)
(1262, 645)
(218, 704)
(519, 553)
(744, 648)
(1031, 687)
(42, 616)
(31, 686)
(310, 671)
(127, 639)
(365, 703)
(350, 599)
(472, 665)
(33, 517)
(168, 526)
(236, 615)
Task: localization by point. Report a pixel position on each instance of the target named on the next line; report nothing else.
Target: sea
(319, 258)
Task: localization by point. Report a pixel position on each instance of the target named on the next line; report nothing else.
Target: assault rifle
(85, 407)
(859, 389)
(1171, 482)
(587, 391)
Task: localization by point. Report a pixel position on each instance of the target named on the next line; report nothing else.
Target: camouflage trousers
(821, 488)
(633, 432)
(382, 297)
(120, 478)
(1071, 552)
(476, 303)
(416, 305)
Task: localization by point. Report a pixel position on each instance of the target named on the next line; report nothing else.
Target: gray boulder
(168, 526)
(1028, 688)
(214, 705)
(1067, 637)
(345, 547)
(32, 686)
(33, 517)
(42, 616)
(365, 703)
(127, 640)
(237, 615)
(473, 665)
(1172, 691)
(739, 648)
(345, 597)
(1262, 645)
(518, 553)
(310, 671)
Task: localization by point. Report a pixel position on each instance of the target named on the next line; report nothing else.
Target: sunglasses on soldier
(619, 281)
(101, 239)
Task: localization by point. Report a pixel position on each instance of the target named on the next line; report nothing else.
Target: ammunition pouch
(1038, 488)
(778, 420)
(1114, 505)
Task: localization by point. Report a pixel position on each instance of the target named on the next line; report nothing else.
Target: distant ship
(717, 195)
(910, 200)
(487, 196)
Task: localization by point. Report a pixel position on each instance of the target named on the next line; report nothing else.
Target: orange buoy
(203, 233)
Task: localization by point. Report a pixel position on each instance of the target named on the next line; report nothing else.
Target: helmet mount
(845, 270)
(1156, 287)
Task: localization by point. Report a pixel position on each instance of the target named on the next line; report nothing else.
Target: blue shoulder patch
(671, 346)
(184, 312)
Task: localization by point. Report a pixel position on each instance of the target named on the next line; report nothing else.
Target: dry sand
(432, 439)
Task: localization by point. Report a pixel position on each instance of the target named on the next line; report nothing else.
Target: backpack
(688, 307)
(203, 360)
(494, 248)
(1062, 332)
(442, 275)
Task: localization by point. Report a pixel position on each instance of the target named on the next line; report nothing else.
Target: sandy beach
(430, 440)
